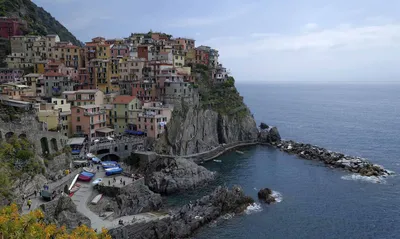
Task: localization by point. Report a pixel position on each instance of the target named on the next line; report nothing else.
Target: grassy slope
(39, 21)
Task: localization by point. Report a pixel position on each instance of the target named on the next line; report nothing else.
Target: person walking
(35, 192)
(120, 181)
(98, 168)
(29, 203)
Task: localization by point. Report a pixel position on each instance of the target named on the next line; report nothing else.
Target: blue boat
(109, 164)
(96, 160)
(87, 174)
(113, 171)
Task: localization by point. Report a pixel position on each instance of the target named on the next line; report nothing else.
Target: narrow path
(54, 186)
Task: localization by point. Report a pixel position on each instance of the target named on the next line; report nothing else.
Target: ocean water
(317, 202)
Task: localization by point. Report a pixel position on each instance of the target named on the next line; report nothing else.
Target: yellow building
(50, 116)
(179, 60)
(39, 67)
(35, 82)
(102, 70)
(103, 51)
(190, 56)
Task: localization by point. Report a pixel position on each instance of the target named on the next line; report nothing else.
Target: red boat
(84, 178)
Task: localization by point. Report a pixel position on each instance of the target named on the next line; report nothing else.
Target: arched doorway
(45, 145)
(53, 143)
(22, 136)
(9, 135)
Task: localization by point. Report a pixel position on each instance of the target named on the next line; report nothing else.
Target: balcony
(94, 113)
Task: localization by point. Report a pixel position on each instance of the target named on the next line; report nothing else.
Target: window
(78, 119)
(151, 127)
(78, 111)
(126, 147)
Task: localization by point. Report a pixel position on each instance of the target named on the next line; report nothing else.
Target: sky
(260, 40)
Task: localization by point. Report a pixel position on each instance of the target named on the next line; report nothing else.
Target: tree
(32, 225)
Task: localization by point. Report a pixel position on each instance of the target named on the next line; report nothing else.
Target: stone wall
(26, 125)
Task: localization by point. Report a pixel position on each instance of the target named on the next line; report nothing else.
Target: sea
(315, 201)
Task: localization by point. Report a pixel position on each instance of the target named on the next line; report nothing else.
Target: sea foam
(252, 208)
(277, 195)
(357, 177)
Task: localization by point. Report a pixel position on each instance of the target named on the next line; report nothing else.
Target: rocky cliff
(168, 175)
(132, 199)
(183, 222)
(63, 212)
(196, 130)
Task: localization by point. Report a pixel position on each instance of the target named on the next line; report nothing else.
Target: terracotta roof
(123, 99)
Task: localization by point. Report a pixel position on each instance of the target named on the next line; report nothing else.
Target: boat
(89, 170)
(217, 161)
(75, 188)
(73, 182)
(86, 176)
(239, 152)
(96, 160)
(112, 171)
(109, 164)
(97, 199)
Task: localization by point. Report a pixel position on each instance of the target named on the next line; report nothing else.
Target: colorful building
(154, 118)
(126, 109)
(50, 116)
(36, 83)
(12, 26)
(84, 97)
(87, 119)
(10, 75)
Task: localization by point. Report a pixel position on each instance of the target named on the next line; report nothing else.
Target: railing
(98, 122)
(94, 113)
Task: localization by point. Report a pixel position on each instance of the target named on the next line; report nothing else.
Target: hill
(39, 21)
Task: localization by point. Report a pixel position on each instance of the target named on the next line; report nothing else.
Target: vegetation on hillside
(39, 21)
(17, 157)
(32, 225)
(221, 97)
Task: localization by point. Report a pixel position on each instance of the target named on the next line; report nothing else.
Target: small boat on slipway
(89, 170)
(97, 199)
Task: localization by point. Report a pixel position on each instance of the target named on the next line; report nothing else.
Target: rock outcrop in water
(269, 135)
(183, 222)
(334, 159)
(168, 175)
(63, 212)
(200, 130)
(266, 196)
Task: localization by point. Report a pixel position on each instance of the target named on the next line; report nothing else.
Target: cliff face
(198, 130)
(39, 21)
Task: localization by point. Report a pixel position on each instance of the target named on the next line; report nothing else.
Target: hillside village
(107, 88)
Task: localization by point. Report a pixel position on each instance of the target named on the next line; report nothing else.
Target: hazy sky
(260, 40)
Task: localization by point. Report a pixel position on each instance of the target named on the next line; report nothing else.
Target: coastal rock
(169, 175)
(137, 198)
(269, 135)
(63, 212)
(132, 199)
(334, 159)
(184, 221)
(200, 130)
(266, 195)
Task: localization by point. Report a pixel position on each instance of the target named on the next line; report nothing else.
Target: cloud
(343, 36)
(311, 26)
(344, 52)
(223, 16)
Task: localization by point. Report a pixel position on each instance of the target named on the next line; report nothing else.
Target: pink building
(154, 118)
(187, 43)
(88, 121)
(10, 75)
(119, 51)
